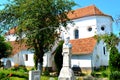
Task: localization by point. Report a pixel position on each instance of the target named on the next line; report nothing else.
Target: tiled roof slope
(17, 47)
(86, 11)
(83, 46)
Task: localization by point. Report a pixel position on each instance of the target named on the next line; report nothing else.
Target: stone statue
(66, 72)
(66, 41)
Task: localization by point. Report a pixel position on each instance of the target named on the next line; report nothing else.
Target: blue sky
(110, 7)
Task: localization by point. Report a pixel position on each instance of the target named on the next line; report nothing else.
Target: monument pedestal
(66, 73)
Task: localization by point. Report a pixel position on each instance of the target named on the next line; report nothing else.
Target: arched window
(76, 32)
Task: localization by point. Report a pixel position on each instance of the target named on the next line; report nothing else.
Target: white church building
(87, 53)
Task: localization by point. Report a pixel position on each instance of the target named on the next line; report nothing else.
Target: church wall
(81, 60)
(24, 57)
(83, 25)
(106, 22)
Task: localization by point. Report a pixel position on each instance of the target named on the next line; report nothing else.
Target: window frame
(26, 57)
(76, 33)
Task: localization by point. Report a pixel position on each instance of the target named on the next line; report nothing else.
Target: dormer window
(76, 33)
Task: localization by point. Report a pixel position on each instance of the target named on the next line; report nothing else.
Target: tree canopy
(37, 20)
(5, 48)
(112, 42)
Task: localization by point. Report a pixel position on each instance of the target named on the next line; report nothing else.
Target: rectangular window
(26, 57)
(104, 50)
(76, 34)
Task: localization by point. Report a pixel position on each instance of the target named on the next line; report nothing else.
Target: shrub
(58, 57)
(2, 75)
(104, 74)
(46, 73)
(19, 68)
(93, 74)
(114, 62)
(115, 75)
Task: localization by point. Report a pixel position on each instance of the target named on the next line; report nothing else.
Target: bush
(104, 74)
(2, 75)
(115, 75)
(114, 62)
(19, 68)
(46, 73)
(93, 74)
(58, 58)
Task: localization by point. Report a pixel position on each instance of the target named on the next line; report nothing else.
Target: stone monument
(35, 74)
(8, 64)
(66, 72)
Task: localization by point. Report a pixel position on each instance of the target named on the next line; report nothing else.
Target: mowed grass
(8, 74)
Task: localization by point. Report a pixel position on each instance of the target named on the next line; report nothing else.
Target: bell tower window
(76, 33)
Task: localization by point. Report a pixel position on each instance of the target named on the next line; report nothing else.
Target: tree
(59, 57)
(38, 21)
(5, 48)
(112, 41)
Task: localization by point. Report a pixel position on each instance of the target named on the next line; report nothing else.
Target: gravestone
(34, 75)
(66, 72)
(8, 64)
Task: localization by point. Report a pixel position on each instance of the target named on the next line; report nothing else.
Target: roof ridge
(91, 10)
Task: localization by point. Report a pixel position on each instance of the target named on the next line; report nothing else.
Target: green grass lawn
(101, 73)
(22, 74)
(8, 74)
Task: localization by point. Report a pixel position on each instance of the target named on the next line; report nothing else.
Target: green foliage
(104, 74)
(10, 74)
(101, 73)
(114, 62)
(18, 75)
(46, 73)
(2, 75)
(111, 40)
(5, 48)
(19, 68)
(48, 78)
(115, 75)
(58, 56)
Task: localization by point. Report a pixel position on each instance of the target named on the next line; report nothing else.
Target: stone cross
(66, 72)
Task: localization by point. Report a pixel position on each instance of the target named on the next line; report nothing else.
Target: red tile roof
(83, 46)
(85, 12)
(17, 47)
(79, 46)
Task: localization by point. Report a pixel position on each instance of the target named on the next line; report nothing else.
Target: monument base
(66, 73)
